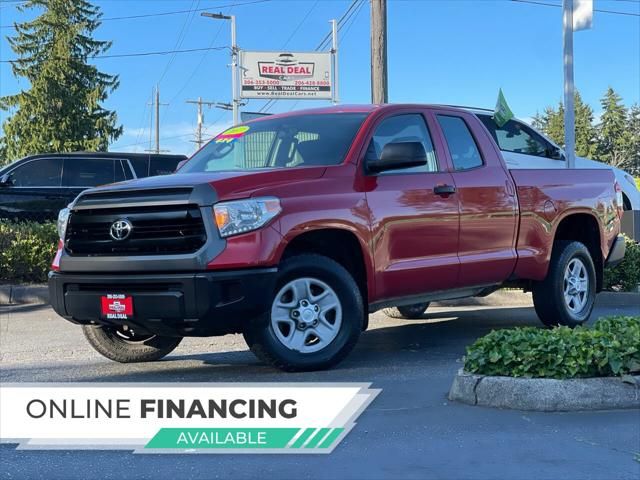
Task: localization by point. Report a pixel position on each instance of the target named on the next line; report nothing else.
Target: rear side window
(141, 166)
(462, 146)
(88, 172)
(45, 172)
(515, 137)
(163, 166)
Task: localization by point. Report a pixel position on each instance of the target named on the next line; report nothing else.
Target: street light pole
(235, 102)
(569, 114)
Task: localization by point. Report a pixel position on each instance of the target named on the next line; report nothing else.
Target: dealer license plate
(116, 306)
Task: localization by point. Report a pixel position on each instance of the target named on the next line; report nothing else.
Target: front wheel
(315, 318)
(567, 295)
(127, 346)
(408, 312)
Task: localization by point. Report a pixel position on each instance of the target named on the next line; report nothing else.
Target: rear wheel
(315, 318)
(409, 312)
(567, 295)
(127, 346)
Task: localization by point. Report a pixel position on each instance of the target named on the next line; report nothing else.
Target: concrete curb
(39, 294)
(545, 394)
(23, 294)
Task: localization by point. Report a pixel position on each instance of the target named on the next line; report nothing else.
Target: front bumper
(616, 254)
(180, 304)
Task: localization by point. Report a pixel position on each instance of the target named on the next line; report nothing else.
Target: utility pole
(569, 115)
(235, 101)
(379, 87)
(156, 103)
(200, 103)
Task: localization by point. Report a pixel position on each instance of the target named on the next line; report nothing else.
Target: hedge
(610, 348)
(26, 250)
(626, 275)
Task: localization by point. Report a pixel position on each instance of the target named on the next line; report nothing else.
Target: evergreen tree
(614, 137)
(63, 108)
(551, 122)
(633, 127)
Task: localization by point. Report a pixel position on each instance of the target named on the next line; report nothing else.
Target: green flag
(502, 113)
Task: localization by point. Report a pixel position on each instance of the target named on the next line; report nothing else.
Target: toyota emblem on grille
(120, 229)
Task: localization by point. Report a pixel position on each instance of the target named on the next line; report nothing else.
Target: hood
(227, 184)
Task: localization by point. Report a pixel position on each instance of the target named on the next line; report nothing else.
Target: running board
(478, 290)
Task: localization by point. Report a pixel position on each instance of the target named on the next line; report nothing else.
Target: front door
(414, 229)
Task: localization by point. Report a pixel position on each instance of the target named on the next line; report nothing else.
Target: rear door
(34, 191)
(415, 229)
(488, 203)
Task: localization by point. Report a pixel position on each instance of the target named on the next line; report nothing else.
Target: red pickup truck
(290, 229)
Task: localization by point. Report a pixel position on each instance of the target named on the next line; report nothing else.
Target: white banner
(270, 418)
(300, 75)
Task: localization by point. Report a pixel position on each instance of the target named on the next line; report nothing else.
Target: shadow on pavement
(437, 341)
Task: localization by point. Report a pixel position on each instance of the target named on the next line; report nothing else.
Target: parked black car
(38, 186)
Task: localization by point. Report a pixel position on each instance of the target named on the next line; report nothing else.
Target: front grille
(155, 231)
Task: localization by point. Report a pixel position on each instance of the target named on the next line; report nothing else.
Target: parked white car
(525, 147)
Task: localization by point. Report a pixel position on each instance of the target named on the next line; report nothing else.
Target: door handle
(444, 189)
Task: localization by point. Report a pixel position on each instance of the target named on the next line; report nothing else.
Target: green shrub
(26, 250)
(611, 347)
(626, 275)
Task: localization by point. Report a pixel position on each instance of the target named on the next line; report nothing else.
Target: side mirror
(398, 155)
(555, 153)
(180, 164)
(5, 180)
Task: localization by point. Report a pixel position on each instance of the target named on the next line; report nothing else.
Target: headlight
(240, 216)
(63, 219)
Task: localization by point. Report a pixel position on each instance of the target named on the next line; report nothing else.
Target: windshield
(295, 141)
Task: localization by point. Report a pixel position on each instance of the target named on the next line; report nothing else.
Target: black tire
(548, 295)
(110, 343)
(263, 341)
(408, 312)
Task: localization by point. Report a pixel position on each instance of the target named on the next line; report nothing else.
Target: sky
(439, 51)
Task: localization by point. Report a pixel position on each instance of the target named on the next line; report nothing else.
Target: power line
(181, 36)
(304, 19)
(341, 22)
(141, 54)
(327, 37)
(174, 12)
(613, 12)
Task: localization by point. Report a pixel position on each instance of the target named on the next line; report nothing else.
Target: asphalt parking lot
(410, 431)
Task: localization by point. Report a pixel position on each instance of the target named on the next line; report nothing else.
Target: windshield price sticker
(231, 135)
(182, 418)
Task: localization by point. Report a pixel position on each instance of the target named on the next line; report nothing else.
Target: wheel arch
(342, 245)
(583, 227)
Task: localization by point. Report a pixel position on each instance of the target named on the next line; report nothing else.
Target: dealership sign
(286, 75)
(182, 417)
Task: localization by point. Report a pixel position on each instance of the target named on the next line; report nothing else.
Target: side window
(404, 128)
(45, 172)
(163, 165)
(88, 172)
(515, 137)
(119, 174)
(462, 147)
(141, 166)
